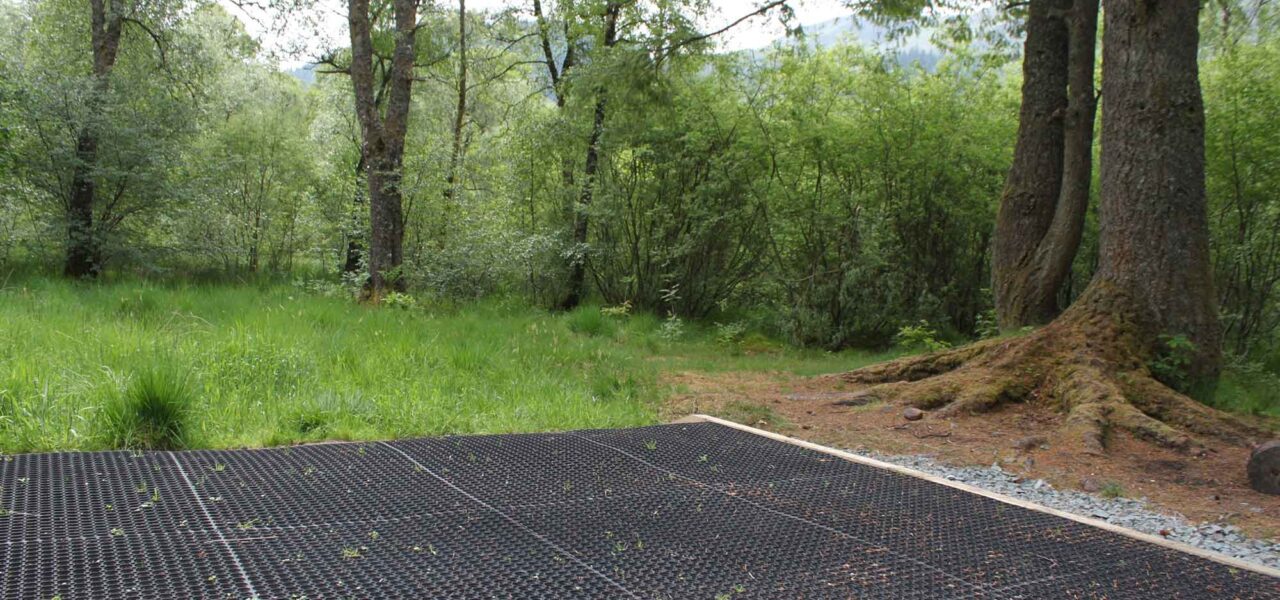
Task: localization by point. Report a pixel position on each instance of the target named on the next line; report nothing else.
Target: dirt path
(1212, 488)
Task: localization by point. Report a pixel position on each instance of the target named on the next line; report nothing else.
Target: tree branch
(705, 36)
(154, 38)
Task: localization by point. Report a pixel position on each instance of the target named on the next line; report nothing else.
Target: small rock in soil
(1090, 485)
(912, 414)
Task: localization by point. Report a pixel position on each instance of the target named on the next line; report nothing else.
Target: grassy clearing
(137, 364)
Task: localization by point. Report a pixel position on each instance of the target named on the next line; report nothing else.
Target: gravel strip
(1125, 512)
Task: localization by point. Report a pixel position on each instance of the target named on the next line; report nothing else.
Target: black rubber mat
(667, 512)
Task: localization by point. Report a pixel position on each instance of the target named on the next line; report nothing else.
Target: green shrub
(400, 301)
(988, 325)
(588, 320)
(1249, 388)
(920, 338)
(620, 311)
(729, 334)
(154, 412)
(758, 343)
(1171, 364)
(672, 328)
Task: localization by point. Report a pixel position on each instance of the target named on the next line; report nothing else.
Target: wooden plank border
(1153, 539)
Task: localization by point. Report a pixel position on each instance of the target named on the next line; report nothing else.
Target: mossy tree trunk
(1153, 278)
(382, 136)
(1046, 193)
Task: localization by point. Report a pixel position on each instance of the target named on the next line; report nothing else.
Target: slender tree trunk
(581, 216)
(1034, 183)
(460, 112)
(1057, 249)
(355, 246)
(557, 75)
(1154, 237)
(255, 242)
(382, 136)
(84, 251)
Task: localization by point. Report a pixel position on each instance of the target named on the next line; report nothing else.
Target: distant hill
(306, 74)
(853, 30)
(824, 35)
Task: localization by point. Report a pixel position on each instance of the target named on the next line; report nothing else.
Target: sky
(331, 25)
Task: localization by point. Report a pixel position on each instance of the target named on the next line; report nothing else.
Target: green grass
(207, 365)
(153, 412)
(750, 414)
(1248, 389)
(200, 365)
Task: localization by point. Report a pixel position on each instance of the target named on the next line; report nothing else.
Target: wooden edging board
(1157, 540)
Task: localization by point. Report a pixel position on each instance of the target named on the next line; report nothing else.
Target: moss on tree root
(1089, 364)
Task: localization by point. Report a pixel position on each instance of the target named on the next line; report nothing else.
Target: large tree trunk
(1153, 277)
(1154, 238)
(386, 225)
(581, 217)
(1046, 194)
(382, 137)
(1057, 250)
(84, 252)
(1035, 178)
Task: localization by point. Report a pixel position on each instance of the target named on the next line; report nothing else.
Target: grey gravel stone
(1130, 513)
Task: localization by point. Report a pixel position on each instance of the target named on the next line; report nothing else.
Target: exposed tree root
(1087, 364)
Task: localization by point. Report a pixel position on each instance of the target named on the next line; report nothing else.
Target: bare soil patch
(1022, 437)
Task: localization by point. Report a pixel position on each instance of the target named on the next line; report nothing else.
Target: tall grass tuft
(588, 320)
(153, 413)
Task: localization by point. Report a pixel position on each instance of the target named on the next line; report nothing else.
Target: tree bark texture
(1154, 232)
(84, 251)
(1046, 195)
(383, 134)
